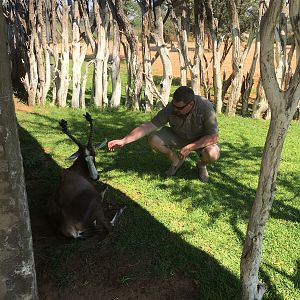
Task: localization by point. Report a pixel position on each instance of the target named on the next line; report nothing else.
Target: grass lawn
(180, 225)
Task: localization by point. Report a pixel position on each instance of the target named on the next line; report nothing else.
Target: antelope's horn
(88, 117)
(64, 125)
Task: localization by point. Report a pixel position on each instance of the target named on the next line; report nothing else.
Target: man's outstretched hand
(115, 144)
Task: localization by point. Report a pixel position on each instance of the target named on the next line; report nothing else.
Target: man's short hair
(183, 94)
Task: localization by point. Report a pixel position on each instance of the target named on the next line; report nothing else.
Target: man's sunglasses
(181, 107)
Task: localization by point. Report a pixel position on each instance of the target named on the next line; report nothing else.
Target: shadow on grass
(294, 278)
(139, 236)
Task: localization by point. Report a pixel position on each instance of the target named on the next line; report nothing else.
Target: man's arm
(133, 136)
(201, 143)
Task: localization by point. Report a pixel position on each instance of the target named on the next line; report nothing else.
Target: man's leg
(163, 141)
(209, 155)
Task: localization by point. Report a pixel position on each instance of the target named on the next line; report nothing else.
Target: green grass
(181, 224)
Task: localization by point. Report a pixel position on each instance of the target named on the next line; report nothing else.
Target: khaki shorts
(173, 141)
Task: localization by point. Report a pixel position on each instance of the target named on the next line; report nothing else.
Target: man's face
(182, 109)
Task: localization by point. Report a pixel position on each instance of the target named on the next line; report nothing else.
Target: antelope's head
(85, 156)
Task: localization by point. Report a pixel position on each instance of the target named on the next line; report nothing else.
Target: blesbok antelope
(76, 205)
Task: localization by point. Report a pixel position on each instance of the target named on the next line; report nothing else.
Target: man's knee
(211, 153)
(155, 141)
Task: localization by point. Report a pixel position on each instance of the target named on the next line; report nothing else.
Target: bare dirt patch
(93, 269)
(20, 106)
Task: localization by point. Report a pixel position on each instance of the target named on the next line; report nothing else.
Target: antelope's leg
(100, 218)
(117, 215)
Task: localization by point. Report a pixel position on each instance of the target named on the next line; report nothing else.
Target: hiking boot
(203, 173)
(173, 169)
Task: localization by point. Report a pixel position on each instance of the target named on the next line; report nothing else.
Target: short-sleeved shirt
(199, 122)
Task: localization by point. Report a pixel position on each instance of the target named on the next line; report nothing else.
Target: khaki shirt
(199, 122)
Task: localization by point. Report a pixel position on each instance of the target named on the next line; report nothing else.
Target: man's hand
(185, 151)
(114, 144)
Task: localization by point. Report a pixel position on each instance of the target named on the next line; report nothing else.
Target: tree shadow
(295, 279)
(139, 237)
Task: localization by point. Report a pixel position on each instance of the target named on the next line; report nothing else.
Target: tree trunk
(105, 64)
(124, 24)
(237, 59)
(281, 43)
(146, 21)
(63, 63)
(289, 72)
(40, 65)
(30, 80)
(252, 251)
(128, 89)
(166, 82)
(83, 84)
(198, 64)
(45, 80)
(261, 107)
(100, 48)
(283, 106)
(76, 63)
(18, 41)
(150, 91)
(216, 57)
(115, 67)
(181, 30)
(54, 50)
(17, 271)
(89, 34)
(249, 78)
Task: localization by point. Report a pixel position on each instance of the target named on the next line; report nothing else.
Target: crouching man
(192, 127)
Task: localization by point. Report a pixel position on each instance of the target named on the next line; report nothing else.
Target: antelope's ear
(101, 144)
(73, 156)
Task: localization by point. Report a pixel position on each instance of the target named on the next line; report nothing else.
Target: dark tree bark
(16, 12)
(17, 272)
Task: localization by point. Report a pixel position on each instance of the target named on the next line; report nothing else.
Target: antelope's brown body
(76, 206)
